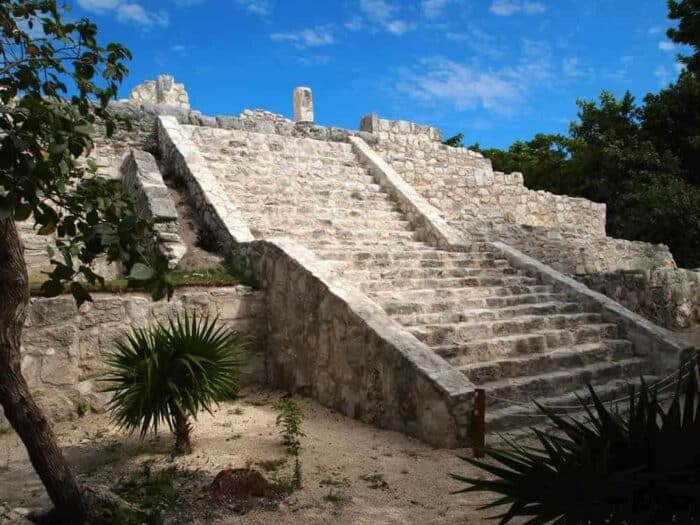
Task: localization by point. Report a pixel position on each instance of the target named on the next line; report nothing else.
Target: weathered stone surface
(144, 182)
(303, 105)
(162, 90)
(64, 348)
(668, 297)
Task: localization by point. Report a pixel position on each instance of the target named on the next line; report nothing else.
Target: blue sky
(498, 70)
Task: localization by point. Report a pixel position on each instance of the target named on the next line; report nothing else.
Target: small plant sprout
(289, 419)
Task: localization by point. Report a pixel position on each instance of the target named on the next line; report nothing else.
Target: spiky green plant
(641, 466)
(168, 372)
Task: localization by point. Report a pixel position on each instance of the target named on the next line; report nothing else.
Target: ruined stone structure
(397, 274)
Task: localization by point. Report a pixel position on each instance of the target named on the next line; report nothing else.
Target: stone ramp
(502, 327)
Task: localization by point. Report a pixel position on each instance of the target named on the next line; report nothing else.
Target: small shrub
(289, 419)
(641, 467)
(168, 372)
(337, 498)
(82, 409)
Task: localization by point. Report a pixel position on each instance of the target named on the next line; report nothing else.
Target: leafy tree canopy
(55, 85)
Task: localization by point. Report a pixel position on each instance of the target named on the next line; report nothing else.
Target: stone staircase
(510, 334)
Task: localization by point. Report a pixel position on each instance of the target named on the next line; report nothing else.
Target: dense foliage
(168, 372)
(642, 467)
(642, 161)
(55, 85)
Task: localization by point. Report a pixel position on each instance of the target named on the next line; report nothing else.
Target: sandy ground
(352, 473)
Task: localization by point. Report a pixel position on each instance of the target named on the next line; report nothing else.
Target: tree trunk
(20, 409)
(182, 428)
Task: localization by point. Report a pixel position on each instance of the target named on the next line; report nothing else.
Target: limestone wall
(463, 185)
(670, 298)
(64, 347)
(568, 251)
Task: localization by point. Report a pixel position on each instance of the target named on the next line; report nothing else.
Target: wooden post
(479, 422)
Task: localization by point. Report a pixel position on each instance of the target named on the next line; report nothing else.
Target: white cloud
(655, 30)
(314, 60)
(312, 37)
(665, 45)
(469, 86)
(483, 43)
(135, 13)
(98, 6)
(462, 86)
(256, 7)
(378, 14)
(128, 12)
(515, 7)
(433, 8)
(572, 67)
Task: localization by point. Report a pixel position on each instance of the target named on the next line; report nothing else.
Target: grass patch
(270, 465)
(374, 481)
(209, 277)
(337, 498)
(156, 490)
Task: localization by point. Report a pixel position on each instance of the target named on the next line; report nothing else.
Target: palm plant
(169, 372)
(641, 466)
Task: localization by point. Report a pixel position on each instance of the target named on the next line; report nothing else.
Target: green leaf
(80, 293)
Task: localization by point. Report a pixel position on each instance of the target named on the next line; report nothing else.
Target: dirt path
(352, 473)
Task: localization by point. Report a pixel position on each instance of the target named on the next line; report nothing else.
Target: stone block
(303, 105)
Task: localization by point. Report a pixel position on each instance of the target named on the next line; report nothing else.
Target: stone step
(272, 195)
(321, 246)
(337, 224)
(456, 333)
(490, 348)
(445, 282)
(303, 209)
(275, 182)
(457, 294)
(576, 356)
(527, 414)
(391, 264)
(332, 239)
(428, 253)
(243, 170)
(291, 160)
(402, 307)
(466, 316)
(426, 273)
(527, 388)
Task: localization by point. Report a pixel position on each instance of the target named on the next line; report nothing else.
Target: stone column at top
(303, 105)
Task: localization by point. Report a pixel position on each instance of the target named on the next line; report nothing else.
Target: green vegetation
(289, 419)
(337, 498)
(169, 372)
(642, 467)
(153, 490)
(641, 160)
(218, 276)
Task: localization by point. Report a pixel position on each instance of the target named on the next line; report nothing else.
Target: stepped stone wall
(570, 252)
(325, 338)
(64, 346)
(670, 298)
(462, 184)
